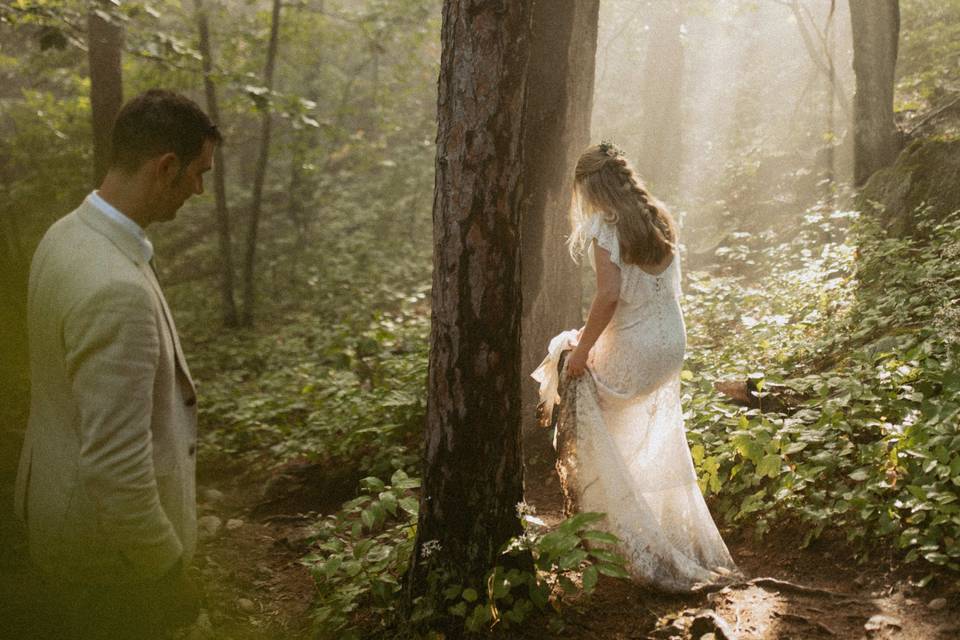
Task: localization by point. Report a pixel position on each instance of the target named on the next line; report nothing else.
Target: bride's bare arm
(601, 310)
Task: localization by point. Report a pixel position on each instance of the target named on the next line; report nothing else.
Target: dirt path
(256, 588)
(249, 568)
(793, 593)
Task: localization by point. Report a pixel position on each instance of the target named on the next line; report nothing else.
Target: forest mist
(722, 101)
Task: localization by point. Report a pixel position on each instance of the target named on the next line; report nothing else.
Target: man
(106, 482)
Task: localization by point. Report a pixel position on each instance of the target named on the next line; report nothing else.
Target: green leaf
(612, 570)
(590, 576)
(389, 502)
(607, 556)
(579, 521)
(470, 595)
(410, 505)
(571, 559)
(860, 474)
(452, 592)
(769, 466)
(372, 484)
(600, 536)
(368, 518)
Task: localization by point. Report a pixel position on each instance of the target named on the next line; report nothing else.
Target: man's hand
(577, 362)
(180, 597)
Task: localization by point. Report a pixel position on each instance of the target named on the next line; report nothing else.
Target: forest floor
(256, 588)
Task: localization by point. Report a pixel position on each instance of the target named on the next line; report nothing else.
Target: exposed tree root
(784, 585)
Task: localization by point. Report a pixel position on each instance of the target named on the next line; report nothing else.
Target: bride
(627, 453)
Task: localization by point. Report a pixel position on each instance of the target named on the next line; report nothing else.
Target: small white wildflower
(429, 547)
(524, 509)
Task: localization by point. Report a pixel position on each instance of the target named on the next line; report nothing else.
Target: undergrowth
(860, 331)
(848, 339)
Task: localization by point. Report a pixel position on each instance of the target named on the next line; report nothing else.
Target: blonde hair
(605, 184)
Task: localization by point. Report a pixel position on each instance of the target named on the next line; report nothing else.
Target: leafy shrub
(361, 554)
(567, 562)
(864, 331)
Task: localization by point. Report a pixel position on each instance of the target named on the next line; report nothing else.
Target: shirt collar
(125, 223)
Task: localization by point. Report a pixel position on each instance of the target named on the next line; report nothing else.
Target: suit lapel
(129, 246)
(147, 271)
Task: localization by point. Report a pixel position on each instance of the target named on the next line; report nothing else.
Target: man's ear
(167, 167)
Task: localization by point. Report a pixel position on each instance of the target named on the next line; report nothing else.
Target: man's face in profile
(187, 182)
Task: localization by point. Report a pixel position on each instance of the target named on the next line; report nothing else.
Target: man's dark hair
(157, 122)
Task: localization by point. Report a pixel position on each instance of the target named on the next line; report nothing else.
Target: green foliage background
(858, 328)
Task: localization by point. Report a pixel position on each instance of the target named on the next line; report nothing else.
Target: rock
(246, 605)
(299, 539)
(926, 173)
(212, 495)
(209, 526)
(880, 622)
(948, 631)
(708, 622)
(234, 523)
(937, 603)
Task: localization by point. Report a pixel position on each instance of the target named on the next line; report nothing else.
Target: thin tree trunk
(473, 473)
(823, 62)
(249, 272)
(559, 104)
(105, 43)
(832, 95)
(230, 317)
(876, 33)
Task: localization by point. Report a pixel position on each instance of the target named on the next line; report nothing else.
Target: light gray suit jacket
(106, 483)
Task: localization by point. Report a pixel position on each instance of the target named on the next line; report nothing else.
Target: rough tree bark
(559, 104)
(876, 33)
(104, 46)
(249, 267)
(230, 317)
(473, 474)
(659, 159)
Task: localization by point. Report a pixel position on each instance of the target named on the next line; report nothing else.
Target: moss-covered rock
(927, 173)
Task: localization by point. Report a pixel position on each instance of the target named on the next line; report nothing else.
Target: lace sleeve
(606, 236)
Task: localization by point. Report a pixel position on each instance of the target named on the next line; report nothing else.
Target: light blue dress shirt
(126, 223)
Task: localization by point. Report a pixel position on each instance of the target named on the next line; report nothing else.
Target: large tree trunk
(876, 33)
(659, 159)
(104, 46)
(559, 105)
(230, 317)
(249, 270)
(473, 475)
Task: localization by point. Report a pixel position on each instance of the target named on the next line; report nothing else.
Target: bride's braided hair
(608, 184)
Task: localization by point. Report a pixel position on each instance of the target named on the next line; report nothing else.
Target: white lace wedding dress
(629, 456)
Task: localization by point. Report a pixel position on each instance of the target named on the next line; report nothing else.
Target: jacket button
(192, 400)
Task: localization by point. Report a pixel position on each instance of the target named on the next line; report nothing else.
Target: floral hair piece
(610, 149)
